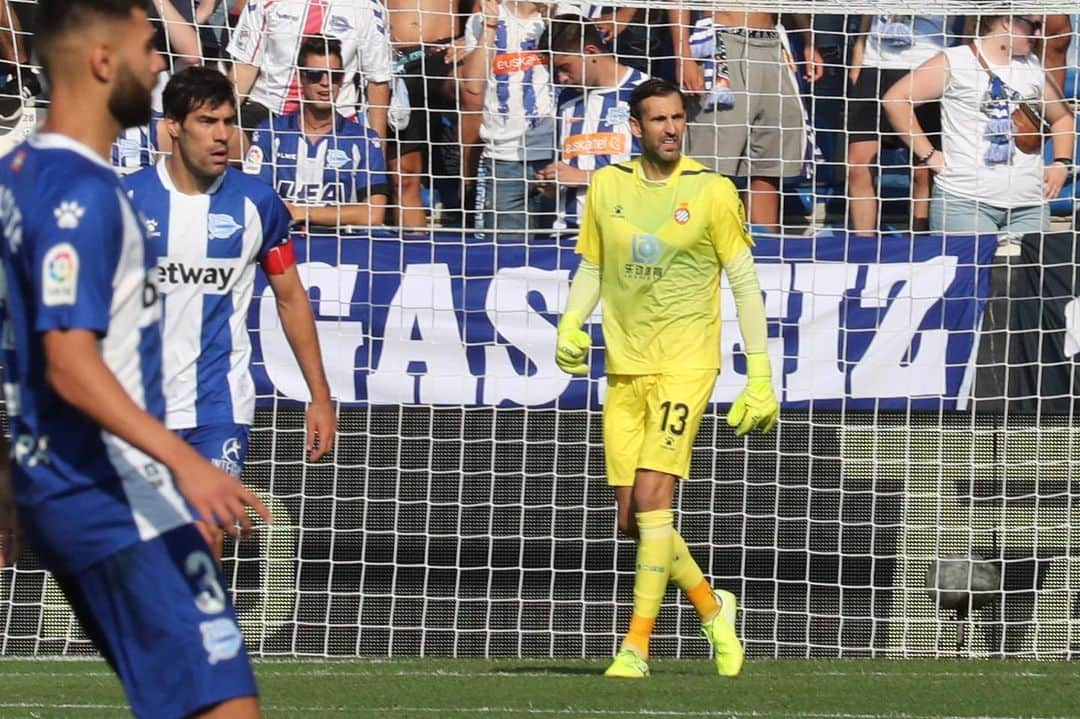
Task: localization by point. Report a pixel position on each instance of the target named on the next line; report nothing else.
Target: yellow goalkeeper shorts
(650, 422)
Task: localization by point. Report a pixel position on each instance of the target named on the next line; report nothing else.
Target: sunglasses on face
(1027, 25)
(313, 77)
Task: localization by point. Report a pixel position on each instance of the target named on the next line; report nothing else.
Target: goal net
(919, 496)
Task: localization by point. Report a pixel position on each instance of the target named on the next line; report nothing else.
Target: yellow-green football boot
(628, 665)
(720, 631)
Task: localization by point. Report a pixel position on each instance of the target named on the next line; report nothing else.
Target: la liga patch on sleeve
(60, 275)
(254, 160)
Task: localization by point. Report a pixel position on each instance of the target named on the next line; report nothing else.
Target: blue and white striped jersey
(344, 166)
(136, 147)
(519, 104)
(594, 132)
(75, 258)
(206, 247)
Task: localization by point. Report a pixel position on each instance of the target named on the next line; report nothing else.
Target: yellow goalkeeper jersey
(660, 247)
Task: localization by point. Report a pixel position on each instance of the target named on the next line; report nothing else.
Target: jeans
(949, 213)
(507, 197)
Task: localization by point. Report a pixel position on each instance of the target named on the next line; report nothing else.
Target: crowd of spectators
(493, 114)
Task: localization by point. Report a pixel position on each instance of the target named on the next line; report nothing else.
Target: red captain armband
(279, 258)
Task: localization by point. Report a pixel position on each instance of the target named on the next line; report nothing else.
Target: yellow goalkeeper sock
(655, 532)
(686, 573)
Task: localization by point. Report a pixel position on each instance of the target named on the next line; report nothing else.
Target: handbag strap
(982, 60)
(986, 66)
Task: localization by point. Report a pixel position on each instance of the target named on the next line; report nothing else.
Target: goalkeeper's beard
(664, 160)
(129, 102)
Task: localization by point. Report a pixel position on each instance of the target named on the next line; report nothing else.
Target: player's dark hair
(56, 18)
(318, 45)
(194, 86)
(569, 35)
(653, 87)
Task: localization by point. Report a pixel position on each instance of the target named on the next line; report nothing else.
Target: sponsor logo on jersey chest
(336, 158)
(339, 24)
(618, 115)
(511, 62)
(172, 273)
(221, 227)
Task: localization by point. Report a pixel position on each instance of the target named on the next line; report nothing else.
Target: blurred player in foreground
(210, 225)
(655, 234)
(105, 493)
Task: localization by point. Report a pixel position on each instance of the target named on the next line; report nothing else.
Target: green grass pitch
(460, 688)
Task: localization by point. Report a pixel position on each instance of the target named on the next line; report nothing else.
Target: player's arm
(572, 348)
(10, 533)
(756, 406)
(298, 322)
(359, 214)
(573, 343)
(76, 371)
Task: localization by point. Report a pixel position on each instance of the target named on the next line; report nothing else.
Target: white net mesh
(926, 381)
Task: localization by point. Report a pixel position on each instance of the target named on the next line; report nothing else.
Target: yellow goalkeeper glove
(572, 348)
(756, 406)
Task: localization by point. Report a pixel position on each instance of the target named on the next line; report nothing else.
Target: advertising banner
(854, 322)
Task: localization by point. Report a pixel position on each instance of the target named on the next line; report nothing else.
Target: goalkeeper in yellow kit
(655, 233)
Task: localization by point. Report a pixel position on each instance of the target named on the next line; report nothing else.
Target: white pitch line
(46, 659)
(1013, 675)
(480, 674)
(54, 675)
(33, 705)
(572, 711)
(263, 662)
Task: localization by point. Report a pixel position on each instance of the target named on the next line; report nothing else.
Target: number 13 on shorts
(651, 421)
